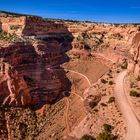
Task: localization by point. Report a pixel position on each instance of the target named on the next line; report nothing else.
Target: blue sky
(116, 11)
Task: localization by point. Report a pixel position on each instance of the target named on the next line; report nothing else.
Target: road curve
(81, 75)
(55, 67)
(133, 125)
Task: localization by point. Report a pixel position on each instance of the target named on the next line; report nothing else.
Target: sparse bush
(132, 84)
(96, 110)
(118, 71)
(124, 65)
(138, 78)
(106, 134)
(15, 27)
(103, 104)
(7, 37)
(134, 93)
(111, 100)
(111, 83)
(104, 81)
(87, 137)
(108, 127)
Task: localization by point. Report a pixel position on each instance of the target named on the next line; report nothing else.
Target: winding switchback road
(133, 125)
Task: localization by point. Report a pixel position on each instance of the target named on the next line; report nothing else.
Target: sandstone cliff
(30, 72)
(31, 63)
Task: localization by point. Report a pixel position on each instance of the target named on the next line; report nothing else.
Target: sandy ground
(92, 69)
(93, 122)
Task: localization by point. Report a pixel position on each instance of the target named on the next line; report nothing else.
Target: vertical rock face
(12, 24)
(25, 25)
(30, 73)
(135, 52)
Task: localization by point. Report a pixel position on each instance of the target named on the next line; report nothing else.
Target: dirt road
(133, 125)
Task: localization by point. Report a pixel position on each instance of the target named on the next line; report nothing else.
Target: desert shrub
(7, 37)
(104, 81)
(134, 93)
(110, 76)
(111, 83)
(111, 100)
(116, 36)
(106, 134)
(118, 71)
(87, 137)
(132, 84)
(103, 104)
(108, 127)
(124, 65)
(15, 27)
(96, 110)
(138, 78)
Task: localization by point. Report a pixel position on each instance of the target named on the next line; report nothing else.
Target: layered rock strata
(30, 72)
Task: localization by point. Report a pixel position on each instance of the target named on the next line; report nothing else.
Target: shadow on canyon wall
(35, 69)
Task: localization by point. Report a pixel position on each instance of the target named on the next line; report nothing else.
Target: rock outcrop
(30, 71)
(134, 62)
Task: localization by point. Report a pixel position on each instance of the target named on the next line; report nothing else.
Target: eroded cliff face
(109, 39)
(134, 62)
(31, 73)
(25, 25)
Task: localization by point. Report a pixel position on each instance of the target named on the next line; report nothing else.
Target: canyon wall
(25, 25)
(12, 24)
(30, 70)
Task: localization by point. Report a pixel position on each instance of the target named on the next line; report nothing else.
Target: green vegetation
(111, 82)
(106, 134)
(111, 100)
(7, 37)
(110, 74)
(15, 27)
(95, 110)
(62, 20)
(87, 137)
(108, 127)
(13, 14)
(118, 71)
(103, 104)
(104, 81)
(132, 84)
(116, 36)
(134, 93)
